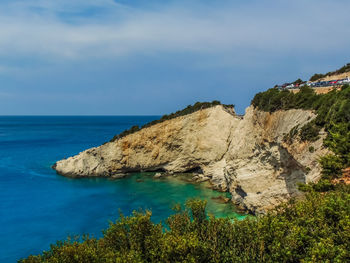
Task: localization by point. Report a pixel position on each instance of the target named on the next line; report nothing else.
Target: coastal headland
(247, 157)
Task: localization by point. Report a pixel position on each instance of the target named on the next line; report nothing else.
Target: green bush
(298, 81)
(309, 132)
(324, 185)
(316, 229)
(311, 149)
(275, 99)
(332, 166)
(343, 69)
(317, 76)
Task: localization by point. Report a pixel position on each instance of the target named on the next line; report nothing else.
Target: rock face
(245, 156)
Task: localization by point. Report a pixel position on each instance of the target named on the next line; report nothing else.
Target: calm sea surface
(39, 207)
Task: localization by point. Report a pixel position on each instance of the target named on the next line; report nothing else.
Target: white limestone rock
(245, 156)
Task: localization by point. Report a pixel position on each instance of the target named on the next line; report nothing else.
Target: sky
(152, 57)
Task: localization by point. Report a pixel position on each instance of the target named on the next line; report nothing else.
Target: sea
(39, 207)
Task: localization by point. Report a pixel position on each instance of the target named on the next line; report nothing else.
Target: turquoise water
(38, 207)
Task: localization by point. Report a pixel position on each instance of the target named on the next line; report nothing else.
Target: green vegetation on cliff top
(333, 115)
(188, 110)
(343, 69)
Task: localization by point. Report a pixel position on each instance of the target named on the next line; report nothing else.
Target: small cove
(39, 207)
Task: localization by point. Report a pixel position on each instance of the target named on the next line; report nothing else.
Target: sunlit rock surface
(245, 156)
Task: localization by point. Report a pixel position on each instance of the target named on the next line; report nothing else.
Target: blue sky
(105, 57)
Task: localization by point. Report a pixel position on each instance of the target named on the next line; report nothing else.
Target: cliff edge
(246, 156)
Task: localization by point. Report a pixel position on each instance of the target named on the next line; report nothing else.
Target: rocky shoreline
(247, 157)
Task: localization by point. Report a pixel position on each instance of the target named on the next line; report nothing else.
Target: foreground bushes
(316, 229)
(333, 115)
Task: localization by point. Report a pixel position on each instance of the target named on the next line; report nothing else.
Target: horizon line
(81, 115)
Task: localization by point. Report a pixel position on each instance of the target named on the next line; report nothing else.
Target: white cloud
(40, 28)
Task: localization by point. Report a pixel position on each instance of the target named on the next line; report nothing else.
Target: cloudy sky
(105, 57)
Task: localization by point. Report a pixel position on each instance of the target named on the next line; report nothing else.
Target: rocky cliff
(245, 156)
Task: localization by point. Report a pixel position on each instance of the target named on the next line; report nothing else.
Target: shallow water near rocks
(39, 207)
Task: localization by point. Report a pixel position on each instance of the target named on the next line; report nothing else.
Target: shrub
(332, 166)
(298, 81)
(315, 229)
(309, 132)
(317, 76)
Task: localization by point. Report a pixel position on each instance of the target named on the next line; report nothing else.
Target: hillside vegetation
(343, 69)
(333, 115)
(316, 229)
(188, 110)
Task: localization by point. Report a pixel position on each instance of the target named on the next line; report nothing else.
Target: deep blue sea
(39, 207)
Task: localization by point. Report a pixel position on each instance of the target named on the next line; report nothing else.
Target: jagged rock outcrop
(245, 156)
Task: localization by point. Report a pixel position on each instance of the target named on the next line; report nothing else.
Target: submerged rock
(245, 156)
(158, 175)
